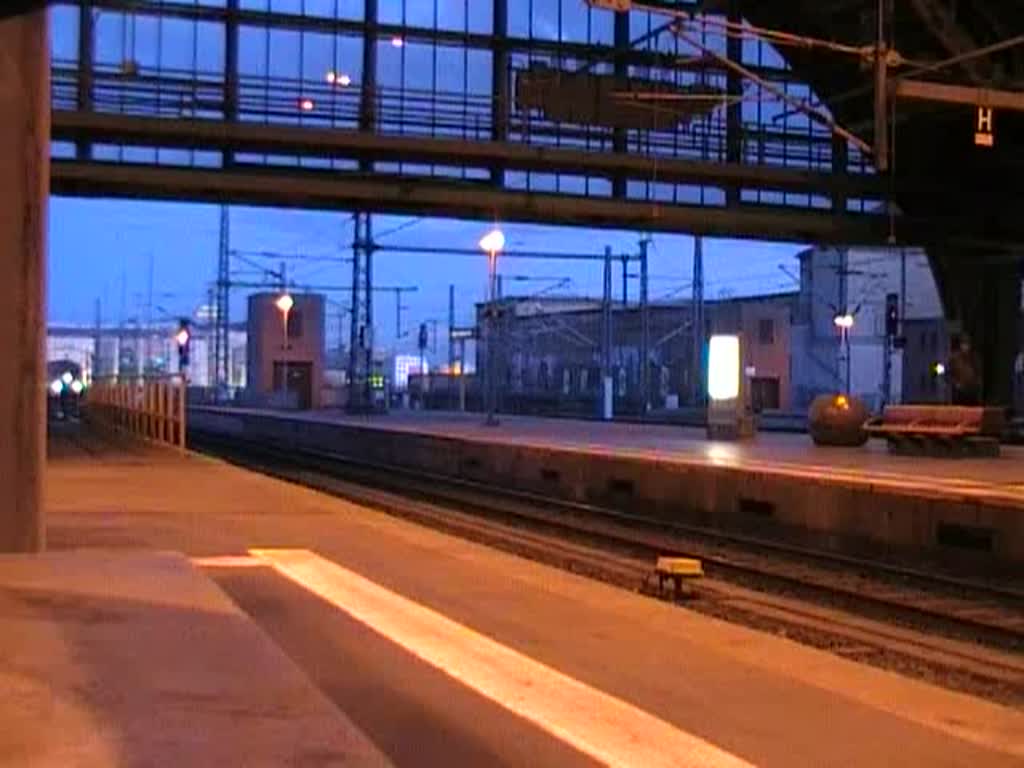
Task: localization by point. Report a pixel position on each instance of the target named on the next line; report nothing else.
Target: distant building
(286, 360)
(131, 350)
(549, 354)
(404, 366)
(837, 281)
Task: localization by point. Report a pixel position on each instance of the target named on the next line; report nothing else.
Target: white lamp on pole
(844, 322)
(284, 303)
(492, 243)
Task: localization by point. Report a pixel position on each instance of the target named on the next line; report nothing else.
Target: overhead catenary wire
(744, 30)
(815, 114)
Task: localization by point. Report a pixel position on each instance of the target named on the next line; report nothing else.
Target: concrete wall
(769, 356)
(844, 515)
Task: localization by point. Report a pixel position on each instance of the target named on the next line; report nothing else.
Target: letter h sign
(983, 135)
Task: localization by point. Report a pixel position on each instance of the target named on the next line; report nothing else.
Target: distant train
(65, 387)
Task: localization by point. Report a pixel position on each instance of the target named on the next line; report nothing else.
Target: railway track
(963, 634)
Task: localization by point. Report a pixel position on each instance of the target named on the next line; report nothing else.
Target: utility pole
(881, 94)
(212, 357)
(903, 286)
(97, 344)
(607, 393)
(451, 346)
(625, 280)
(222, 309)
(368, 294)
(645, 333)
(147, 341)
(462, 375)
(698, 321)
(398, 316)
(355, 317)
(361, 336)
(123, 319)
(399, 306)
(844, 299)
(341, 333)
(451, 327)
(491, 325)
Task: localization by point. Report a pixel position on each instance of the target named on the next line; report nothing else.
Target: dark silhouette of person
(965, 384)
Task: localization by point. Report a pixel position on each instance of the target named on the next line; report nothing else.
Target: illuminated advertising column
(729, 415)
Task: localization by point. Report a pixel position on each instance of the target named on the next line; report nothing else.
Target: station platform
(447, 652)
(136, 658)
(963, 510)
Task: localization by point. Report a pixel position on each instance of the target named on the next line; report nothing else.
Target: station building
(286, 351)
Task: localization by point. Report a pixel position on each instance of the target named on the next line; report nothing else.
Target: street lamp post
(284, 303)
(492, 243)
(844, 322)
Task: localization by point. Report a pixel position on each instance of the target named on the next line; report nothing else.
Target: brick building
(549, 351)
(286, 365)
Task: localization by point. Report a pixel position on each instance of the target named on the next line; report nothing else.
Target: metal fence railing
(152, 408)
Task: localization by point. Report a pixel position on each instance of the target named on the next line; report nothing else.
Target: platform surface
(446, 652)
(115, 658)
(998, 479)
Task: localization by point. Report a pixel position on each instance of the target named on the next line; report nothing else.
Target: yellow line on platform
(593, 722)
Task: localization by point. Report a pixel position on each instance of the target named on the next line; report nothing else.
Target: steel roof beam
(333, 142)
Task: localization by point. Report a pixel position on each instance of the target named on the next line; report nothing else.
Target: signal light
(183, 337)
(892, 314)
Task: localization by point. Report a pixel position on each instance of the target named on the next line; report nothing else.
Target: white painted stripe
(229, 561)
(595, 723)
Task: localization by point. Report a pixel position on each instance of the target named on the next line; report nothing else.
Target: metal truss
(747, 175)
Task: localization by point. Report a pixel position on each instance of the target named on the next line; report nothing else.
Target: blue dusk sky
(103, 249)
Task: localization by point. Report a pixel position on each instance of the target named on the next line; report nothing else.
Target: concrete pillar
(621, 61)
(24, 189)
(983, 299)
(734, 112)
(230, 89)
(993, 327)
(368, 101)
(86, 58)
(500, 82)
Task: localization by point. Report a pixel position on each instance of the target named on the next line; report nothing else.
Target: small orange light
(842, 402)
